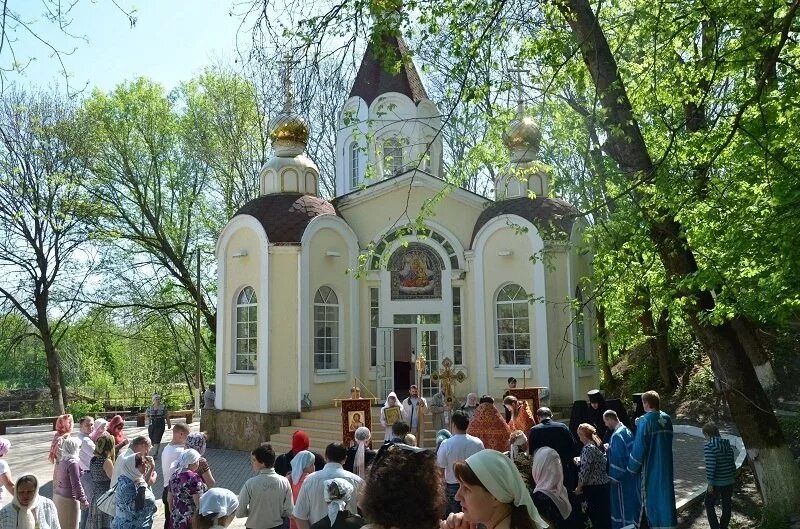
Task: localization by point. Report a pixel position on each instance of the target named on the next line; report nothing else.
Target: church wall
(559, 321)
(239, 273)
(370, 219)
(284, 389)
(497, 272)
(588, 377)
(325, 270)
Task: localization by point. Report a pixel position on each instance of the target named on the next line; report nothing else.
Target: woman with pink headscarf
(115, 426)
(63, 430)
(5, 471)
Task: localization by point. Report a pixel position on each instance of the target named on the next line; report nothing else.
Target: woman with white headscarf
(470, 405)
(28, 510)
(6, 481)
(550, 495)
(492, 492)
(360, 456)
(338, 492)
(185, 488)
(217, 509)
(136, 505)
(302, 465)
(68, 493)
(391, 412)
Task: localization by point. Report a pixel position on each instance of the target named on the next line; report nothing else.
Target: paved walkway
(232, 468)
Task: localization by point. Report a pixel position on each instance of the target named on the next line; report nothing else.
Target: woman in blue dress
(136, 505)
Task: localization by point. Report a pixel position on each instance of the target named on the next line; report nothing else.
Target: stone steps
(324, 426)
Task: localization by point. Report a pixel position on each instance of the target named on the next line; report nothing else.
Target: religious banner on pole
(530, 396)
(355, 414)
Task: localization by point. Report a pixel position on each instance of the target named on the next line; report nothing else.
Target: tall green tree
(44, 216)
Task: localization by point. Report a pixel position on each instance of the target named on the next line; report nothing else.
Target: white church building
(315, 293)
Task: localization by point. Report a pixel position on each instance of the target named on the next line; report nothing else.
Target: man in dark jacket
(557, 436)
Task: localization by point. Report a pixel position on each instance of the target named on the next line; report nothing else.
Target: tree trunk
(776, 470)
(659, 345)
(605, 364)
(54, 372)
(748, 337)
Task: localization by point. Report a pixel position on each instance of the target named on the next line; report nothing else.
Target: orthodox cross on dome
(520, 100)
(447, 375)
(286, 79)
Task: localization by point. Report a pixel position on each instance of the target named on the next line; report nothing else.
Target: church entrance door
(398, 350)
(428, 345)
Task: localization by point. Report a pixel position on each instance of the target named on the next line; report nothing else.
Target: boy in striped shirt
(720, 474)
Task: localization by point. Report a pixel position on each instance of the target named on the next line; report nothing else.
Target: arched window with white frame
(326, 330)
(513, 326)
(246, 330)
(355, 169)
(393, 162)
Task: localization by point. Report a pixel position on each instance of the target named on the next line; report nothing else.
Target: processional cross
(447, 375)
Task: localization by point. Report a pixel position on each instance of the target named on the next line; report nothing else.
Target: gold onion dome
(288, 130)
(288, 126)
(522, 137)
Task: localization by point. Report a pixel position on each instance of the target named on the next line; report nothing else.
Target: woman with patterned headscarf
(6, 481)
(185, 488)
(197, 441)
(63, 430)
(338, 492)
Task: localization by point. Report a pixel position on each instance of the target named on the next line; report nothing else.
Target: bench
(27, 421)
(108, 414)
(186, 414)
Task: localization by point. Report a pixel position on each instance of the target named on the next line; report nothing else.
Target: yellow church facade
(314, 293)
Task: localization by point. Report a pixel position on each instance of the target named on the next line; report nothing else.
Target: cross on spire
(520, 101)
(286, 78)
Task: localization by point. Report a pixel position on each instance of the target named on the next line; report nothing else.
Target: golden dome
(523, 134)
(288, 127)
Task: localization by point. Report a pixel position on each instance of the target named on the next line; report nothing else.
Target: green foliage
(80, 409)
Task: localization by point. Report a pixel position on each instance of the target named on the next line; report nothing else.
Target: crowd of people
(485, 469)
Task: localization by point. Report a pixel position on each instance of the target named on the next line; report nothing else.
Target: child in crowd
(720, 474)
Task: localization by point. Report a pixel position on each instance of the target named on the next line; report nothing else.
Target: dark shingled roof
(285, 216)
(554, 217)
(373, 79)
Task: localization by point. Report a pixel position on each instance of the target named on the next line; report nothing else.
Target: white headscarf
(187, 457)
(396, 400)
(338, 492)
(498, 474)
(361, 436)
(517, 443)
(219, 502)
(129, 469)
(26, 514)
(472, 400)
(549, 478)
(70, 448)
(299, 463)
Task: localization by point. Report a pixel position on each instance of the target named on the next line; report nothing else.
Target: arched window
(513, 326)
(246, 330)
(355, 170)
(326, 329)
(392, 156)
(580, 327)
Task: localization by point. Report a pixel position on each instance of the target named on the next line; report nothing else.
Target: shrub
(80, 408)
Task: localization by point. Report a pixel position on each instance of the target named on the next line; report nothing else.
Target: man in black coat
(557, 436)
